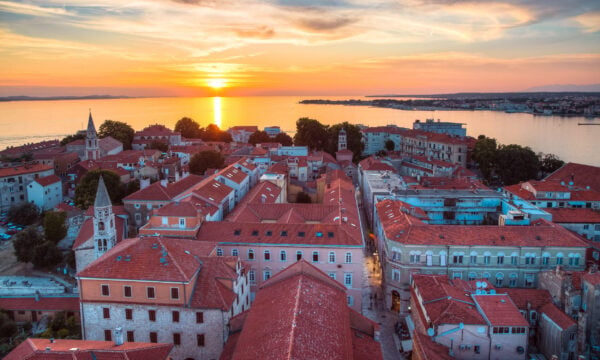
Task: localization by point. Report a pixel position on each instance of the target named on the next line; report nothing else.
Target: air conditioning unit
(498, 346)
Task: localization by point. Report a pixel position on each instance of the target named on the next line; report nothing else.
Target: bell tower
(92, 150)
(342, 140)
(105, 234)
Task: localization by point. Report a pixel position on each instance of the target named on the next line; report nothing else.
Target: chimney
(144, 183)
(118, 336)
(164, 182)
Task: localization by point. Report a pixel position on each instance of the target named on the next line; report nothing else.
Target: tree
(8, 328)
(213, 133)
(353, 138)
(188, 128)
(47, 255)
(284, 139)
(85, 193)
(25, 242)
(55, 228)
(259, 137)
(159, 145)
(69, 138)
(549, 163)
(62, 326)
(515, 163)
(205, 160)
(118, 130)
(484, 153)
(390, 145)
(24, 214)
(311, 133)
(303, 198)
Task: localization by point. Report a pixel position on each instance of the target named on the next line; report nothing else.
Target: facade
(46, 193)
(449, 128)
(557, 333)
(326, 329)
(155, 133)
(33, 308)
(242, 134)
(507, 256)
(164, 290)
(272, 131)
(585, 222)
(15, 180)
(588, 335)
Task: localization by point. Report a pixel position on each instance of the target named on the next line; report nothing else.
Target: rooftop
(23, 169)
(499, 310)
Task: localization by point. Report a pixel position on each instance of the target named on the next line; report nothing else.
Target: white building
(45, 192)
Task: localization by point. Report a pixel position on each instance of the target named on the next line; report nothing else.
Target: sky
(296, 47)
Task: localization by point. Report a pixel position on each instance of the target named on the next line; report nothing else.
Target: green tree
(25, 242)
(259, 137)
(311, 133)
(188, 128)
(484, 154)
(516, 163)
(353, 138)
(303, 198)
(85, 193)
(390, 145)
(8, 328)
(284, 139)
(549, 163)
(205, 160)
(46, 255)
(55, 228)
(24, 214)
(63, 327)
(159, 145)
(118, 130)
(213, 133)
(69, 138)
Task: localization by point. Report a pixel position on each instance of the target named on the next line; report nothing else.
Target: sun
(217, 83)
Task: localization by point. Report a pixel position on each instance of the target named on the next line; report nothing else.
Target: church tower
(342, 140)
(105, 234)
(92, 150)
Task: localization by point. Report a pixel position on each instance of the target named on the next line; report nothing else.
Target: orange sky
(284, 47)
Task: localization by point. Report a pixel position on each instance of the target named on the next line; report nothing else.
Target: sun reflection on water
(217, 111)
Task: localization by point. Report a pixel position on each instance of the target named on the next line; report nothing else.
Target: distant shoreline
(54, 98)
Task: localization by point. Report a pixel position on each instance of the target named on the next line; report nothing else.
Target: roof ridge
(295, 314)
(173, 259)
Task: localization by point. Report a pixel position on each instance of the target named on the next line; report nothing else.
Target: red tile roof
(157, 192)
(499, 310)
(109, 143)
(427, 349)
(23, 169)
(36, 349)
(301, 313)
(44, 303)
(373, 164)
(214, 287)
(155, 130)
(583, 175)
(177, 209)
(574, 215)
(525, 297)
(401, 227)
(248, 128)
(557, 316)
(48, 180)
(234, 174)
(213, 191)
(592, 278)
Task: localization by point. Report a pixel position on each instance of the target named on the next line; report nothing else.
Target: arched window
(559, 258)
(101, 225)
(250, 254)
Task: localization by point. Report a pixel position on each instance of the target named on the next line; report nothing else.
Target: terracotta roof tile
(574, 215)
(583, 175)
(557, 316)
(500, 310)
(524, 297)
(23, 169)
(592, 278)
(45, 303)
(48, 180)
(427, 349)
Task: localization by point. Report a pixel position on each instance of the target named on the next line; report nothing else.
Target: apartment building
(15, 180)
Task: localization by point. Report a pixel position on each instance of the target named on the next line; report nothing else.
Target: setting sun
(217, 83)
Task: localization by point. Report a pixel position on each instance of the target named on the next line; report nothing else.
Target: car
(12, 231)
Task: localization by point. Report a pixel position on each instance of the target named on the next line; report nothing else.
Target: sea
(32, 121)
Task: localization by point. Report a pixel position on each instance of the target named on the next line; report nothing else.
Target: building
(557, 333)
(301, 313)
(272, 131)
(581, 175)
(155, 133)
(92, 147)
(555, 194)
(164, 290)
(241, 134)
(449, 128)
(15, 180)
(104, 226)
(588, 335)
(507, 256)
(68, 349)
(46, 193)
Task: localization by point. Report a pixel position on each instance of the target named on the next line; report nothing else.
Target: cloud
(590, 22)
(256, 32)
(324, 25)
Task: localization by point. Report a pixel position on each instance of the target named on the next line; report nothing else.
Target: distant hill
(492, 95)
(46, 98)
(566, 88)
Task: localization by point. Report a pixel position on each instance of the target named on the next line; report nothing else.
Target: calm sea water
(30, 121)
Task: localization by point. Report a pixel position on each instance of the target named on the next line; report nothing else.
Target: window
(268, 233)
(126, 291)
(499, 279)
(174, 293)
(315, 257)
(559, 259)
(473, 259)
(332, 275)
(237, 232)
(500, 259)
(284, 233)
(107, 335)
(267, 255)
(234, 252)
(251, 277)
(106, 313)
(283, 255)
(331, 257)
(298, 255)
(200, 340)
(457, 259)
(396, 275)
(415, 258)
(250, 254)
(254, 232)
(128, 314)
(477, 349)
(266, 275)
(153, 337)
(586, 226)
(176, 339)
(150, 292)
(348, 280)
(105, 290)
(486, 259)
(219, 252)
(545, 259)
(514, 259)
(175, 316)
(199, 317)
(348, 258)
(152, 315)
(512, 282)
(530, 259)
(350, 300)
(330, 234)
(130, 337)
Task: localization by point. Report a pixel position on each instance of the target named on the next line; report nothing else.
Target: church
(92, 147)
